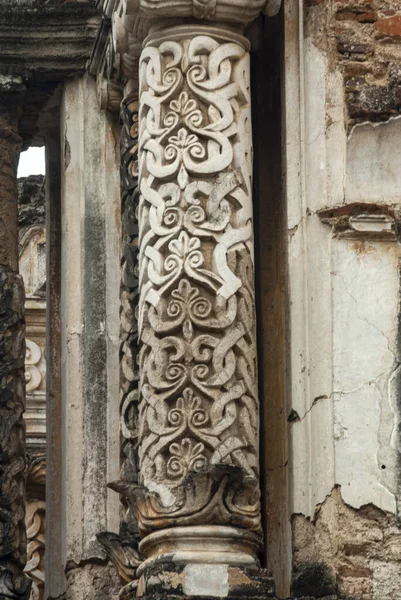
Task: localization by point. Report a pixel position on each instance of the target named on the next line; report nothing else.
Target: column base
(171, 581)
(200, 544)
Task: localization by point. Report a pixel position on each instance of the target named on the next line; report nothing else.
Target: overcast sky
(32, 162)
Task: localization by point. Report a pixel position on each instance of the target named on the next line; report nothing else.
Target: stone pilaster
(13, 583)
(196, 498)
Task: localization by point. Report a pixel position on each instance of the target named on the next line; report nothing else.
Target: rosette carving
(198, 411)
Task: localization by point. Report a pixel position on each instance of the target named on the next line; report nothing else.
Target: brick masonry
(365, 40)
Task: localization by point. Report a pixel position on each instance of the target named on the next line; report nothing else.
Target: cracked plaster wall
(344, 409)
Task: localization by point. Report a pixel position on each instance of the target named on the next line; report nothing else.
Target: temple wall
(323, 82)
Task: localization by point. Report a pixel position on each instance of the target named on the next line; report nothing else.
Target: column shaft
(198, 411)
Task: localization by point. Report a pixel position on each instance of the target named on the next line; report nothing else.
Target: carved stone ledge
(43, 43)
(201, 544)
(363, 221)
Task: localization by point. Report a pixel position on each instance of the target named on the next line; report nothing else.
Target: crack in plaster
(361, 318)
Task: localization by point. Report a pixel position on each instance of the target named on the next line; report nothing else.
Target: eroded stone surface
(31, 201)
(92, 580)
(12, 439)
(357, 550)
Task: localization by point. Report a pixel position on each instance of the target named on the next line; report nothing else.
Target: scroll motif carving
(13, 584)
(124, 557)
(198, 412)
(129, 375)
(33, 356)
(35, 526)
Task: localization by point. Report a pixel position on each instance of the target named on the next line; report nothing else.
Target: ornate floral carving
(12, 437)
(198, 412)
(129, 375)
(36, 476)
(220, 496)
(33, 356)
(35, 566)
(125, 558)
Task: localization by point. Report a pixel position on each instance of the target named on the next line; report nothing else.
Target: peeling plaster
(357, 550)
(373, 171)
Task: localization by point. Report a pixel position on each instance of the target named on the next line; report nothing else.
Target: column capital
(225, 11)
(115, 60)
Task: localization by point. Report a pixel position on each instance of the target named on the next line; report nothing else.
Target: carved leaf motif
(35, 567)
(123, 555)
(198, 405)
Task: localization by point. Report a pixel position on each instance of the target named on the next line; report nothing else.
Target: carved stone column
(197, 501)
(13, 583)
(198, 438)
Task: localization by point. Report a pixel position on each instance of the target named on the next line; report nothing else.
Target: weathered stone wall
(89, 411)
(365, 44)
(368, 47)
(31, 201)
(343, 192)
(356, 551)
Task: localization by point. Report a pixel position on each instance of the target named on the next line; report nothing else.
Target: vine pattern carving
(129, 373)
(33, 356)
(198, 411)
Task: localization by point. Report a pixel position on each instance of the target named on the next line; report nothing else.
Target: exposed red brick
(314, 2)
(354, 571)
(367, 17)
(357, 549)
(354, 83)
(354, 48)
(389, 27)
(346, 15)
(361, 4)
(356, 69)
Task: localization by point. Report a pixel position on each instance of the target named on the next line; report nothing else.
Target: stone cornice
(42, 43)
(49, 43)
(126, 24)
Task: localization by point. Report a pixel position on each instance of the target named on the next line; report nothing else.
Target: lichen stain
(362, 248)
